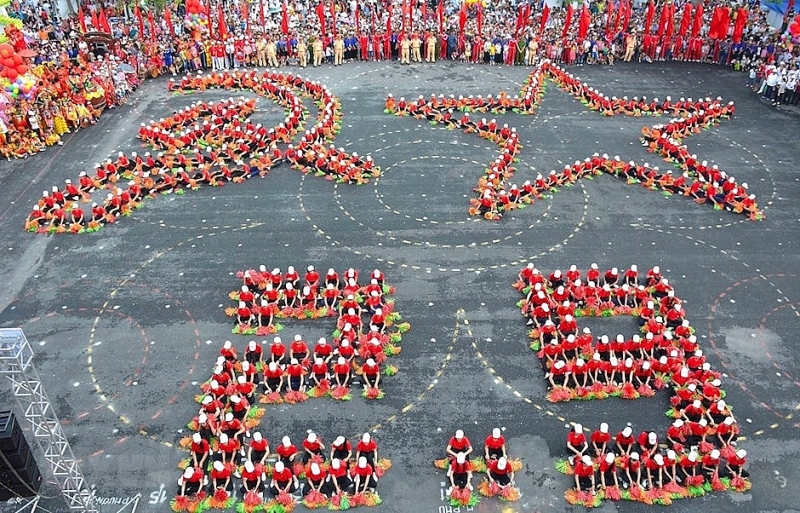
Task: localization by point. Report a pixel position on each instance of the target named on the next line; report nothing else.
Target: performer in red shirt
(287, 451)
(251, 479)
(191, 481)
(341, 449)
(364, 476)
(221, 477)
(576, 442)
(495, 446)
(371, 373)
(500, 472)
(338, 479)
(460, 473)
(259, 449)
(282, 480)
(584, 474)
(601, 439)
(367, 448)
(277, 351)
(200, 450)
(313, 446)
(459, 444)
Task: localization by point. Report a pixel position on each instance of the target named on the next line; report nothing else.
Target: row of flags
(617, 19)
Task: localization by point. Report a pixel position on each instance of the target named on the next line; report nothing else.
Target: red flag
(223, 28)
(285, 18)
(626, 16)
(648, 19)
(424, 11)
(480, 19)
(208, 15)
(738, 26)
(543, 21)
(104, 26)
(404, 8)
(168, 18)
(583, 23)
(713, 29)
(670, 20)
(152, 26)
(724, 22)
(82, 18)
(321, 16)
(246, 16)
(462, 18)
(609, 17)
(440, 16)
(95, 23)
(698, 21)
(333, 18)
(518, 22)
(662, 21)
(261, 14)
(567, 21)
(686, 19)
(389, 24)
(358, 20)
(527, 20)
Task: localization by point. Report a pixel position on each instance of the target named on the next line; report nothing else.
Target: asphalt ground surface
(127, 321)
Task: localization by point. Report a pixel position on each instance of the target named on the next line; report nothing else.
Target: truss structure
(16, 363)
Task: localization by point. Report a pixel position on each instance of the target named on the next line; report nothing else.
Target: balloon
(11, 73)
(8, 62)
(17, 59)
(22, 69)
(6, 50)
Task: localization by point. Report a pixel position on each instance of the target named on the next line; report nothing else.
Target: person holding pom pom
(459, 473)
(500, 472)
(367, 448)
(459, 444)
(258, 450)
(584, 474)
(252, 480)
(365, 478)
(191, 481)
(283, 481)
(495, 446)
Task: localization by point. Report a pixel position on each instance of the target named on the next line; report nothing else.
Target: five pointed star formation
(494, 195)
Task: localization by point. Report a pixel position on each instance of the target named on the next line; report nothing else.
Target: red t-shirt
(494, 443)
(457, 445)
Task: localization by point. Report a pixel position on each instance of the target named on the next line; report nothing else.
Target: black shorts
(460, 479)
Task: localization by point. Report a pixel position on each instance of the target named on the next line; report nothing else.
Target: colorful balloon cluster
(195, 18)
(12, 62)
(22, 86)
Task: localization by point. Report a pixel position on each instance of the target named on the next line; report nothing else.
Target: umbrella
(127, 68)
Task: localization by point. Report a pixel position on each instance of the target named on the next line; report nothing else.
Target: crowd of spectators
(93, 59)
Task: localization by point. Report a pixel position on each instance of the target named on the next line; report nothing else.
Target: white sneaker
(449, 491)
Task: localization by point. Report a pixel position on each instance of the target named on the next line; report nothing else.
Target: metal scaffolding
(16, 362)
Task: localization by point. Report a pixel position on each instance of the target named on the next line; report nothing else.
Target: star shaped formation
(495, 195)
(208, 143)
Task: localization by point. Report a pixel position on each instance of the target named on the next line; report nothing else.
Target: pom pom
(382, 466)
(613, 493)
(442, 464)
(739, 484)
(372, 393)
(629, 392)
(220, 499)
(315, 500)
(488, 489)
(478, 465)
(509, 494)
(271, 398)
(339, 502)
(341, 393)
(295, 396)
(559, 394)
(564, 467)
(179, 503)
(320, 390)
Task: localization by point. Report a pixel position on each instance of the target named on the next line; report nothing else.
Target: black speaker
(19, 474)
(10, 431)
